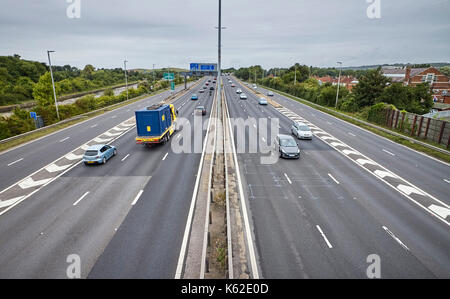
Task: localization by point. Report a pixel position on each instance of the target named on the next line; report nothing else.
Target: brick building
(439, 83)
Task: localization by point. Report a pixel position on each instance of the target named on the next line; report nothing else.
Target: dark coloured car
(287, 147)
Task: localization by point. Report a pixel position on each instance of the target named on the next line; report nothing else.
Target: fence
(419, 126)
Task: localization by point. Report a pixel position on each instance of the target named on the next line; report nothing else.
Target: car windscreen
(288, 142)
(304, 128)
(91, 153)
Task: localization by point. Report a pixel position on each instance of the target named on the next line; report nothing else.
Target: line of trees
(373, 88)
(18, 78)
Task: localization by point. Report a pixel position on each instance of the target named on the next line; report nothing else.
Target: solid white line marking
(351, 134)
(395, 238)
(336, 181)
(288, 178)
(324, 237)
(137, 197)
(165, 156)
(84, 195)
(15, 162)
(125, 157)
(388, 152)
(64, 139)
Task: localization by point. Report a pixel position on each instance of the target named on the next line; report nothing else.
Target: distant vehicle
(155, 124)
(238, 90)
(287, 147)
(232, 85)
(99, 154)
(201, 91)
(194, 97)
(209, 80)
(200, 109)
(301, 130)
(270, 94)
(262, 101)
(214, 82)
(211, 88)
(243, 96)
(205, 87)
(254, 86)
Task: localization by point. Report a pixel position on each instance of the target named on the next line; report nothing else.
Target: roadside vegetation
(368, 100)
(22, 81)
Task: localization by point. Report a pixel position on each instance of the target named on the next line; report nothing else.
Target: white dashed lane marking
(422, 199)
(12, 163)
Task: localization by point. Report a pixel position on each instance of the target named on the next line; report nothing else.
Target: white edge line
(137, 197)
(187, 229)
(243, 204)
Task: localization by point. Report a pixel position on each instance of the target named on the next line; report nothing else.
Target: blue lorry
(155, 124)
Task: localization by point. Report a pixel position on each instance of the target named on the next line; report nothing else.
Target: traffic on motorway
(221, 180)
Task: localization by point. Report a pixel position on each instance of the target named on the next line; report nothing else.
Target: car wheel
(104, 160)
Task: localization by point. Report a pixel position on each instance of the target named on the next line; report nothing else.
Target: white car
(238, 90)
(301, 130)
(243, 96)
(254, 86)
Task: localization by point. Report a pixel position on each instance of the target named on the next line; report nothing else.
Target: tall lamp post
(126, 80)
(339, 83)
(53, 82)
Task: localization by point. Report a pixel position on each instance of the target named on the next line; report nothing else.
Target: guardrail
(84, 115)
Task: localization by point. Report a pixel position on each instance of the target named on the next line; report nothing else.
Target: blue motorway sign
(203, 67)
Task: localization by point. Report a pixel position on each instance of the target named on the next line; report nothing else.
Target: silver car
(301, 130)
(287, 147)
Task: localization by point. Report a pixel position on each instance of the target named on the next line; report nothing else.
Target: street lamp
(339, 82)
(53, 82)
(126, 80)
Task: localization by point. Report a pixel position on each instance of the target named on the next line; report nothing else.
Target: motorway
(321, 216)
(317, 217)
(124, 219)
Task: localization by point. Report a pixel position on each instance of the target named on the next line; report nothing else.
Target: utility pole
(153, 73)
(126, 80)
(53, 82)
(219, 57)
(339, 82)
(295, 74)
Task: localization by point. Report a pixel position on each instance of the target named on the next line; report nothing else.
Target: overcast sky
(270, 33)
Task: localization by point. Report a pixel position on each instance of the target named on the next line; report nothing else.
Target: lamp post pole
(339, 83)
(126, 80)
(53, 82)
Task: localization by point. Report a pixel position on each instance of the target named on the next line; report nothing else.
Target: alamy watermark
(73, 11)
(74, 268)
(253, 136)
(374, 9)
(374, 269)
